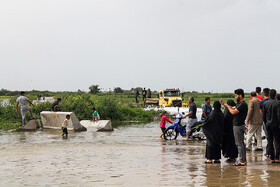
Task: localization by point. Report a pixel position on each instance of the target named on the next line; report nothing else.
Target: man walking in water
(239, 113)
(22, 102)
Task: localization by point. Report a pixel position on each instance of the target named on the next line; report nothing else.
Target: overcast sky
(209, 45)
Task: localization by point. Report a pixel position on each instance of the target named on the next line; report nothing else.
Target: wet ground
(129, 156)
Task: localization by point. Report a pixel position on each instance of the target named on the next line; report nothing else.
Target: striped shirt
(65, 123)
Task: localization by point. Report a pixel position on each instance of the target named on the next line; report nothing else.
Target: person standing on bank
(55, 107)
(149, 93)
(144, 93)
(137, 95)
(206, 109)
(239, 113)
(254, 122)
(192, 116)
(271, 117)
(22, 102)
(213, 129)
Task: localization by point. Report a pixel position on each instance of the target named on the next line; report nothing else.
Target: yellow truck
(167, 98)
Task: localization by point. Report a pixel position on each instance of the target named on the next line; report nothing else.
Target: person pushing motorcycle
(192, 116)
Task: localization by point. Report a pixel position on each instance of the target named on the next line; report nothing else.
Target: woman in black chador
(229, 148)
(213, 130)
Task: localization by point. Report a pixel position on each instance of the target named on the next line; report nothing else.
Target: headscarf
(231, 102)
(217, 106)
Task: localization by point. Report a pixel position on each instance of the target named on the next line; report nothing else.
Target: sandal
(206, 162)
(266, 155)
(217, 162)
(239, 164)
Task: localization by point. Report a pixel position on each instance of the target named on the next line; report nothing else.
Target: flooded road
(129, 156)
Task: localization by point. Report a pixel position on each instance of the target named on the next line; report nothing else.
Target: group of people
(23, 101)
(145, 94)
(225, 130)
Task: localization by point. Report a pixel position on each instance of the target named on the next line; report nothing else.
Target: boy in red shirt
(164, 119)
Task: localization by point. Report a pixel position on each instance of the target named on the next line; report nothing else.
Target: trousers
(255, 129)
(23, 111)
(239, 132)
(273, 139)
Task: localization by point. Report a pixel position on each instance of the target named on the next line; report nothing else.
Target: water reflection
(130, 155)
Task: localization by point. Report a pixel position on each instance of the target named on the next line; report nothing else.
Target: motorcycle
(172, 132)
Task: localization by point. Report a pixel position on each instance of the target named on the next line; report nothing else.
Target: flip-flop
(239, 164)
(208, 162)
(217, 162)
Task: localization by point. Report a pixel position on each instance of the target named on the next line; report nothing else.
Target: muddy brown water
(129, 156)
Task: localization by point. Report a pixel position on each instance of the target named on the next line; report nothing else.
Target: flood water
(129, 156)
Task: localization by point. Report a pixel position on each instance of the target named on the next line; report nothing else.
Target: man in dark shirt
(266, 98)
(149, 93)
(271, 118)
(192, 116)
(240, 113)
(55, 107)
(144, 93)
(137, 95)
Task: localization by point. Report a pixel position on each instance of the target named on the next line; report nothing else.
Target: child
(163, 122)
(95, 115)
(64, 126)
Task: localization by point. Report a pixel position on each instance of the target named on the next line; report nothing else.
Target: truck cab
(170, 98)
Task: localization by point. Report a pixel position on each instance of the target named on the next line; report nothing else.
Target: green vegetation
(116, 107)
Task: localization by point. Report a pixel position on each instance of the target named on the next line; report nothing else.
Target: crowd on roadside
(225, 130)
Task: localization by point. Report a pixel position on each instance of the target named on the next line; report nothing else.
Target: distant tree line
(95, 89)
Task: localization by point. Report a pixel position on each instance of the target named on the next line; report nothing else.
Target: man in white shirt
(22, 102)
